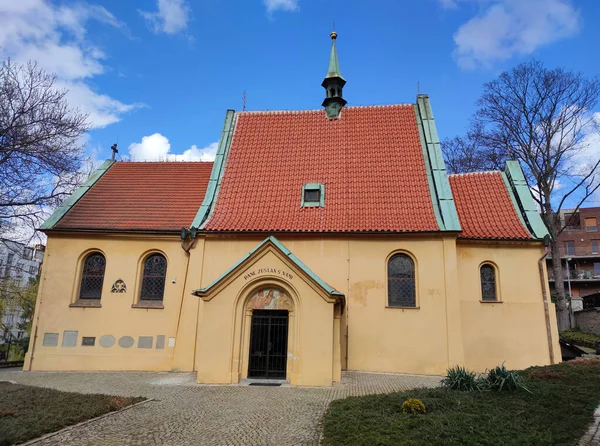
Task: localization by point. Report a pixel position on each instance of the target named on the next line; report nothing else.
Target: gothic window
(153, 280)
(92, 276)
(488, 282)
(401, 281)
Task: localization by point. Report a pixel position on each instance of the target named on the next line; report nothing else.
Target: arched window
(92, 276)
(488, 282)
(153, 281)
(401, 281)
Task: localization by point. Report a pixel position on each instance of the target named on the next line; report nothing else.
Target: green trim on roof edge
(514, 200)
(66, 205)
(272, 240)
(436, 207)
(442, 194)
(527, 206)
(214, 183)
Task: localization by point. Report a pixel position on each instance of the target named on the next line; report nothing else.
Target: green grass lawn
(28, 412)
(558, 411)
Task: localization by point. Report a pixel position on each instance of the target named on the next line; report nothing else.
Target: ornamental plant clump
(413, 406)
(501, 379)
(459, 378)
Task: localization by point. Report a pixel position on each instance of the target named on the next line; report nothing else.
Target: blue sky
(158, 76)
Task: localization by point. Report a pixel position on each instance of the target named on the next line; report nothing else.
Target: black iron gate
(268, 344)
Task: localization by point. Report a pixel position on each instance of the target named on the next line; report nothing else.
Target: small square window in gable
(313, 195)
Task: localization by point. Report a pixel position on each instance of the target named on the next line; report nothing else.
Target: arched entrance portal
(268, 349)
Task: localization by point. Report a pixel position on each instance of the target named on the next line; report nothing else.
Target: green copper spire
(333, 84)
(334, 64)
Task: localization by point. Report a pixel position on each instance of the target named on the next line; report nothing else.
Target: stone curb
(83, 423)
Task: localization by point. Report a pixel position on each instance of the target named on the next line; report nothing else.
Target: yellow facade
(209, 332)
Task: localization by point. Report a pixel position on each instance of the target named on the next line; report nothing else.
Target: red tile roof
(485, 208)
(158, 196)
(370, 161)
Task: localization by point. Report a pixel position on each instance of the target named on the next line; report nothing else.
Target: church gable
(270, 259)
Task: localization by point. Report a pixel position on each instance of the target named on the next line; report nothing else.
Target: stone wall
(588, 320)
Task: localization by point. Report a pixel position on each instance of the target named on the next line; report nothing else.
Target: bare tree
(543, 118)
(40, 145)
(468, 153)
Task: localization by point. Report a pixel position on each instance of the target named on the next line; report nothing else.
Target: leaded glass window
(488, 282)
(153, 281)
(92, 276)
(401, 281)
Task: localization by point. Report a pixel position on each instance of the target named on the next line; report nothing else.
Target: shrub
(585, 361)
(413, 405)
(501, 379)
(459, 378)
(577, 337)
(546, 374)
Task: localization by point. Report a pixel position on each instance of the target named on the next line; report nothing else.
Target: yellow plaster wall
(513, 331)
(60, 285)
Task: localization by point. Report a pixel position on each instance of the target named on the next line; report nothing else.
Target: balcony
(579, 253)
(577, 276)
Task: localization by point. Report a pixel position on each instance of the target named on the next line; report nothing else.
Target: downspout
(545, 296)
(187, 267)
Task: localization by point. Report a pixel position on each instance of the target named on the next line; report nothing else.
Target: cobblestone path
(186, 413)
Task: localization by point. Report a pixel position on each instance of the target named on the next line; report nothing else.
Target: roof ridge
(483, 172)
(267, 112)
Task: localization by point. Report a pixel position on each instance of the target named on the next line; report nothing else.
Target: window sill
(404, 308)
(490, 301)
(86, 304)
(149, 304)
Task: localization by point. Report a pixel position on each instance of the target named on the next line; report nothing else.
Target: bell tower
(333, 84)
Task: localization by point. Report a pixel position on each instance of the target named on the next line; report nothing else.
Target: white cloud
(55, 37)
(171, 17)
(284, 5)
(157, 147)
(506, 28)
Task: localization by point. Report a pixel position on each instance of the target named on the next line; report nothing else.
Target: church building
(318, 241)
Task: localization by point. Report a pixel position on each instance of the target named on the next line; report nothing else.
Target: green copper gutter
(526, 204)
(514, 200)
(439, 186)
(216, 175)
(66, 205)
(272, 240)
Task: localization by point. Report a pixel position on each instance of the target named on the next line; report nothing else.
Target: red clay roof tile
(157, 196)
(484, 207)
(370, 161)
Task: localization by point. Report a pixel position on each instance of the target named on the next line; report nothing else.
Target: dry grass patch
(28, 412)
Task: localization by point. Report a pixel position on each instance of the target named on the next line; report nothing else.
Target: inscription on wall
(258, 272)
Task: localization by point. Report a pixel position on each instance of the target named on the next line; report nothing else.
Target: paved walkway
(186, 413)
(592, 437)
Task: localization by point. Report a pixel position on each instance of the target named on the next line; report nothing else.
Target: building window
(92, 276)
(595, 244)
(153, 281)
(488, 282)
(591, 224)
(569, 248)
(313, 195)
(572, 221)
(596, 269)
(32, 269)
(401, 281)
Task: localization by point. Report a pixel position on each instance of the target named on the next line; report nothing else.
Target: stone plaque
(70, 338)
(160, 342)
(125, 341)
(107, 341)
(50, 340)
(145, 342)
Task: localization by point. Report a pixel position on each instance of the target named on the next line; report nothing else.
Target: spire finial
(333, 34)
